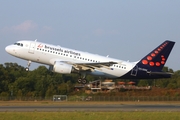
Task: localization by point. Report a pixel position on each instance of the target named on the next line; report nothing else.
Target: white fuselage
(48, 54)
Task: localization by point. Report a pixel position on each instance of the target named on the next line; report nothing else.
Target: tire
(27, 69)
(79, 80)
(84, 81)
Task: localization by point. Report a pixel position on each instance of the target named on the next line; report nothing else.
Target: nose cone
(8, 49)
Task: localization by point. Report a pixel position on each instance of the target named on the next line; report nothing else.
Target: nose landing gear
(27, 68)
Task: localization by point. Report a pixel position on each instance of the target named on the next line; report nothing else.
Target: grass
(89, 115)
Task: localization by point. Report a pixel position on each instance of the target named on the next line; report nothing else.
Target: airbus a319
(65, 61)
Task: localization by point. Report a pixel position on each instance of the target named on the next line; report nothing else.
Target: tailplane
(156, 59)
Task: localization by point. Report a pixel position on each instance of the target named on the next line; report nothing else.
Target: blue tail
(156, 59)
(150, 67)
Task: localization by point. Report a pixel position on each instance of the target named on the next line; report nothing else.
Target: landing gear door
(32, 47)
(134, 71)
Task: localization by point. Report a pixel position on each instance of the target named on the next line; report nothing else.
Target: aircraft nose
(8, 49)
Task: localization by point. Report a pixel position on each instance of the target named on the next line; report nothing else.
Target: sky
(122, 29)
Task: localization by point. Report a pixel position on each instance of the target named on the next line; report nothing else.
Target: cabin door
(32, 47)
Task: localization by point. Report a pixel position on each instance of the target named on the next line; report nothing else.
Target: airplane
(66, 61)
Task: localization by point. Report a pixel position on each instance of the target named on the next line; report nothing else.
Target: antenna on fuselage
(107, 56)
(35, 40)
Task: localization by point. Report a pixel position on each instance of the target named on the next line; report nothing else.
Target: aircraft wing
(91, 66)
(87, 66)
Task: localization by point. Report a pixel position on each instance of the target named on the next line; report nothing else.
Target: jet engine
(63, 68)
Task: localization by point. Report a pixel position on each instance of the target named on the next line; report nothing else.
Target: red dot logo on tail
(151, 63)
(145, 62)
(149, 59)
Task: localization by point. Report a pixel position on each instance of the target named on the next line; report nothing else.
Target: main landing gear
(82, 80)
(27, 68)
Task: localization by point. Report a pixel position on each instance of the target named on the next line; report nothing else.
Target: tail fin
(156, 59)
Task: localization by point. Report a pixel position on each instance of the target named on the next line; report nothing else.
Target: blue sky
(122, 29)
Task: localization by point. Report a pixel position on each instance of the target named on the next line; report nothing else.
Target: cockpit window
(18, 44)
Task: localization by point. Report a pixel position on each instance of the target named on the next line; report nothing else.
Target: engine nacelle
(63, 68)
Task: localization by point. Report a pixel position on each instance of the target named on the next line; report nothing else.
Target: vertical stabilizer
(156, 59)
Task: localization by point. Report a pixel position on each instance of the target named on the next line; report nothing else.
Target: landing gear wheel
(27, 69)
(79, 81)
(84, 81)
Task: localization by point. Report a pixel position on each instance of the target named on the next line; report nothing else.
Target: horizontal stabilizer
(160, 73)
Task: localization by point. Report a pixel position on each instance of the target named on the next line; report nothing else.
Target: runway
(100, 108)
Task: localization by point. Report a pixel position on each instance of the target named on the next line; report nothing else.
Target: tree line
(40, 82)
